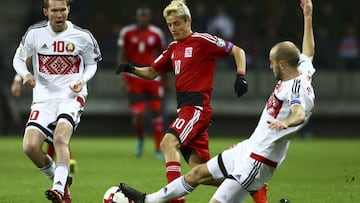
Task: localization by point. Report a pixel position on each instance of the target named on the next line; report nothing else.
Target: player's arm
(89, 72)
(121, 55)
(308, 45)
(296, 117)
(144, 72)
(21, 67)
(240, 59)
(16, 86)
(240, 85)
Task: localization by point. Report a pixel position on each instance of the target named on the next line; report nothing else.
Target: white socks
(61, 174)
(177, 188)
(49, 170)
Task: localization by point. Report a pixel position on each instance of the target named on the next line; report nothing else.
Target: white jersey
(58, 59)
(273, 144)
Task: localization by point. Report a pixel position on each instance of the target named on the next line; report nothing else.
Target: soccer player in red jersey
(191, 57)
(140, 43)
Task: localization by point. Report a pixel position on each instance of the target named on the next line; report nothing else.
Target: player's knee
(30, 148)
(164, 145)
(60, 140)
(169, 142)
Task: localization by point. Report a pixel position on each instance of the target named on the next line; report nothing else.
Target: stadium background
(257, 25)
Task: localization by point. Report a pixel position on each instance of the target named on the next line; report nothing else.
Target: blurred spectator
(349, 48)
(246, 34)
(6, 74)
(254, 15)
(200, 18)
(270, 38)
(35, 13)
(83, 9)
(326, 12)
(222, 24)
(325, 45)
(106, 35)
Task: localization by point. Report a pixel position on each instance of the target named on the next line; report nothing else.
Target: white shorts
(238, 164)
(45, 115)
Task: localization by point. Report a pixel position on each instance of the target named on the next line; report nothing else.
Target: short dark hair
(288, 52)
(46, 2)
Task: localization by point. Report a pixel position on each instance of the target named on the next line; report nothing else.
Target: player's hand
(16, 88)
(240, 85)
(307, 7)
(125, 67)
(77, 87)
(29, 81)
(277, 125)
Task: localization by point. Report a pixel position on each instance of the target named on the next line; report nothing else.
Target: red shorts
(191, 128)
(143, 91)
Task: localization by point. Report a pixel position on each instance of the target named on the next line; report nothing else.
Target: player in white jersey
(64, 58)
(251, 163)
(16, 91)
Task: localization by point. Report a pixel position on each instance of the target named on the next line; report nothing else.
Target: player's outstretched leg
(132, 194)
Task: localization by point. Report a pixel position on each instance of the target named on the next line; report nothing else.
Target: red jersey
(141, 45)
(193, 62)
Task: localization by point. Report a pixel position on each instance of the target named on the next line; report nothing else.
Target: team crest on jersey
(188, 52)
(151, 40)
(220, 42)
(21, 52)
(70, 47)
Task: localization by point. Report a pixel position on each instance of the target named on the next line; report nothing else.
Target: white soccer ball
(114, 195)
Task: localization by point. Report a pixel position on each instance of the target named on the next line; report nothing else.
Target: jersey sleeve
(121, 38)
(215, 47)
(26, 46)
(297, 93)
(162, 63)
(91, 54)
(305, 65)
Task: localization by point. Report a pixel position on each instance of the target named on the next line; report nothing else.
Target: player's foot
(260, 195)
(67, 196)
(73, 166)
(139, 148)
(178, 200)
(159, 155)
(132, 194)
(54, 196)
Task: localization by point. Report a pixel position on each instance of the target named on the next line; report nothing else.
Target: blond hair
(177, 8)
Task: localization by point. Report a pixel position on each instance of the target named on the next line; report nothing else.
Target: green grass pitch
(316, 171)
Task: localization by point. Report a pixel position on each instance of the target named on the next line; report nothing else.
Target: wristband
(17, 78)
(240, 72)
